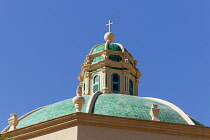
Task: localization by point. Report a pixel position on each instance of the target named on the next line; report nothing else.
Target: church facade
(107, 106)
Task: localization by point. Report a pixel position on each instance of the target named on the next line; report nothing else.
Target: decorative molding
(104, 70)
(105, 91)
(126, 72)
(78, 118)
(154, 112)
(87, 75)
(91, 101)
(13, 121)
(22, 117)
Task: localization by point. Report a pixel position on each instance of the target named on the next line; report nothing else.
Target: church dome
(109, 86)
(113, 105)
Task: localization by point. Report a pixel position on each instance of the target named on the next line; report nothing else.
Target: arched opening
(96, 83)
(115, 83)
(131, 87)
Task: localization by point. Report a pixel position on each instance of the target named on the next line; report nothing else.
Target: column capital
(87, 75)
(105, 91)
(126, 72)
(137, 81)
(104, 70)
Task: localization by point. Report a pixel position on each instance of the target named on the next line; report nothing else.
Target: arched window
(131, 87)
(115, 83)
(96, 84)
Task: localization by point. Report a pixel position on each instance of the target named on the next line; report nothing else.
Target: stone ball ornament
(109, 37)
(79, 100)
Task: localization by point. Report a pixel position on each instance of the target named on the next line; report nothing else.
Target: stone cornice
(111, 52)
(78, 118)
(125, 63)
(110, 63)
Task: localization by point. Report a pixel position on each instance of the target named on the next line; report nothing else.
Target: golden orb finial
(109, 37)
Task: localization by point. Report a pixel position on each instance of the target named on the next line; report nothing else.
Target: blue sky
(44, 42)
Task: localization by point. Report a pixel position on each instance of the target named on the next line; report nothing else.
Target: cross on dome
(109, 24)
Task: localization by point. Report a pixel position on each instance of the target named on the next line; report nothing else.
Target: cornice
(78, 118)
(111, 64)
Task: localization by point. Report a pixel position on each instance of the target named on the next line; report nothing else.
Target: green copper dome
(111, 46)
(51, 111)
(112, 105)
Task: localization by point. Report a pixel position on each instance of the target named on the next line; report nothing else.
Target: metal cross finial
(109, 24)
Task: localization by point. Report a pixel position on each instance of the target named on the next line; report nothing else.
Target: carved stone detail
(79, 91)
(13, 121)
(88, 60)
(105, 55)
(135, 63)
(105, 91)
(87, 75)
(154, 112)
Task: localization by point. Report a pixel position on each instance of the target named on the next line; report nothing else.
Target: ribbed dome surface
(112, 105)
(111, 46)
(51, 111)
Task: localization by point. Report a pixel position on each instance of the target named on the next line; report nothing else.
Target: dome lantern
(109, 68)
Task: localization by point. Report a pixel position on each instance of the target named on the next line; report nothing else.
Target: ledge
(78, 118)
